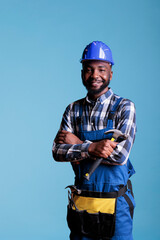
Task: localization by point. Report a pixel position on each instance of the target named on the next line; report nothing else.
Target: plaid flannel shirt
(95, 118)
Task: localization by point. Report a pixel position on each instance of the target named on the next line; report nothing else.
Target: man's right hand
(103, 148)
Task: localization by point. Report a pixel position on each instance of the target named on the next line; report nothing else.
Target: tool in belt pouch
(92, 213)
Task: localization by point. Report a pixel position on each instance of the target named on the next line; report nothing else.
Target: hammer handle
(94, 166)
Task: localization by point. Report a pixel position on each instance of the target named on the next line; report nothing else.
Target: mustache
(95, 80)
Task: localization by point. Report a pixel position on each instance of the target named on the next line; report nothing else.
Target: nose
(94, 73)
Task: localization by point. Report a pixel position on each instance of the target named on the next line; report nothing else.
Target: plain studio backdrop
(41, 42)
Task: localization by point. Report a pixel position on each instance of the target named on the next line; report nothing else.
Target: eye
(102, 70)
(88, 70)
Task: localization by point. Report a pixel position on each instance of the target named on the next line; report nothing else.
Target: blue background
(41, 42)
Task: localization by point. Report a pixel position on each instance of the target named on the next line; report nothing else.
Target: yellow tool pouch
(94, 205)
(92, 214)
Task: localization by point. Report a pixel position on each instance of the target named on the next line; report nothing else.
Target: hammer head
(117, 134)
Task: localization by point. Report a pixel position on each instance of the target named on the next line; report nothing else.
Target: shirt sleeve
(126, 119)
(69, 152)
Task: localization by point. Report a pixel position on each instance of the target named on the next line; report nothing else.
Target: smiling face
(96, 76)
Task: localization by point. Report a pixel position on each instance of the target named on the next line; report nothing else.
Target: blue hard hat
(97, 50)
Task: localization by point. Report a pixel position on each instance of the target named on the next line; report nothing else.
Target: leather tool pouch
(98, 223)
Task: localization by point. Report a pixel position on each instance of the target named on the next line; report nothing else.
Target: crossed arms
(67, 147)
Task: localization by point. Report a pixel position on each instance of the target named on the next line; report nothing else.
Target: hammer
(117, 136)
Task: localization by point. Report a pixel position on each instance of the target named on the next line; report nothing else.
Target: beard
(93, 92)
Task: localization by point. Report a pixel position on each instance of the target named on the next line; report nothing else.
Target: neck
(94, 96)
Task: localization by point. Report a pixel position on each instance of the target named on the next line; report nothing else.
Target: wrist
(90, 148)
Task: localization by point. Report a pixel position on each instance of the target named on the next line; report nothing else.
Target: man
(100, 207)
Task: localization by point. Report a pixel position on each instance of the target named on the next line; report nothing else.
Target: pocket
(97, 225)
(74, 219)
(107, 225)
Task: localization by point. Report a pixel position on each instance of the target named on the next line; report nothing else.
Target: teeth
(98, 81)
(95, 83)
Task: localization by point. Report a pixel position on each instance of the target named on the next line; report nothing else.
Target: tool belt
(93, 214)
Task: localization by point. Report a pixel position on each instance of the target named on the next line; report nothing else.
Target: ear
(82, 74)
(111, 74)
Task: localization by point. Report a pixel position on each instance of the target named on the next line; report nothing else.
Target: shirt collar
(103, 98)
